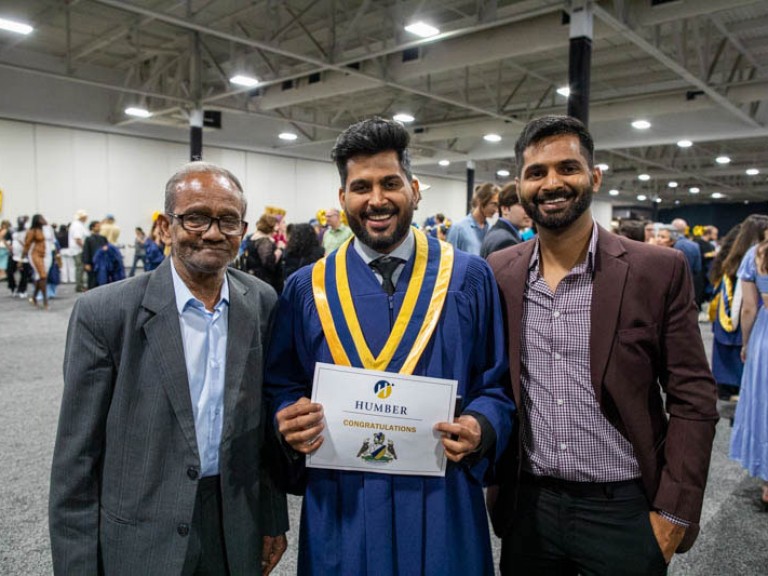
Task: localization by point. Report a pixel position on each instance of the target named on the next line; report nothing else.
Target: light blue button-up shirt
(204, 335)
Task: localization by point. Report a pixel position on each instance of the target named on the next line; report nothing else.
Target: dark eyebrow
(358, 181)
(532, 167)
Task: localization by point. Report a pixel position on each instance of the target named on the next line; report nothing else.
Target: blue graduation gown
(356, 523)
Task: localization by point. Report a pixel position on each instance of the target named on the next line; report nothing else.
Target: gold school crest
(382, 450)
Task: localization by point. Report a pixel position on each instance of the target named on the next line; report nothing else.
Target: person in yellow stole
(392, 299)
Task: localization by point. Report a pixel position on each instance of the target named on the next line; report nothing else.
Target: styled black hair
(540, 128)
(370, 137)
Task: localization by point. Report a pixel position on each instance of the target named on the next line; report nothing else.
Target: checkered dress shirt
(565, 435)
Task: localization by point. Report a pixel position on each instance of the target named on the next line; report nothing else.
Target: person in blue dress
(357, 523)
(749, 441)
(727, 365)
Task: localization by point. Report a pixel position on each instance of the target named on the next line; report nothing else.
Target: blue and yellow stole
(724, 305)
(415, 323)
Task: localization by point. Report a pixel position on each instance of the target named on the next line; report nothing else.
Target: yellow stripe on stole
(340, 357)
(435, 308)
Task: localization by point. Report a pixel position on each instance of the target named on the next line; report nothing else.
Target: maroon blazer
(644, 339)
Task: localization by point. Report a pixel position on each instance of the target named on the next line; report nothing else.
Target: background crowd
(728, 275)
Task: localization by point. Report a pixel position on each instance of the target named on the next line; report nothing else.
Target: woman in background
(727, 366)
(5, 247)
(749, 441)
(302, 249)
(263, 255)
(36, 248)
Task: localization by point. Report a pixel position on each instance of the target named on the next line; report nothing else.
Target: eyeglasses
(201, 223)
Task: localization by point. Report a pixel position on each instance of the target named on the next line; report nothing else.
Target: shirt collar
(589, 260)
(404, 251)
(185, 298)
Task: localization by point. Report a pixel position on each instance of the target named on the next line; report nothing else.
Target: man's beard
(381, 243)
(581, 203)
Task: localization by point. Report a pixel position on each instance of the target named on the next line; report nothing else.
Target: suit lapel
(163, 332)
(607, 291)
(241, 326)
(512, 279)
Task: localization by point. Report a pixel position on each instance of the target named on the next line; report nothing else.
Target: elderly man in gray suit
(159, 463)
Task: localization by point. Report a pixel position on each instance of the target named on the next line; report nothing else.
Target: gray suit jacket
(126, 464)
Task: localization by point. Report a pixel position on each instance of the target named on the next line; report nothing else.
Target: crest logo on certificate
(380, 421)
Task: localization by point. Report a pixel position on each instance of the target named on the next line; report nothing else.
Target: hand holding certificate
(301, 424)
(378, 422)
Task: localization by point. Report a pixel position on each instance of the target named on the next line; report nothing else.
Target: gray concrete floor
(733, 539)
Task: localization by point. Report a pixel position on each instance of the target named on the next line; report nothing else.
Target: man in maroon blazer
(602, 478)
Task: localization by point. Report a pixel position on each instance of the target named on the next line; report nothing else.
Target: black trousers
(206, 554)
(569, 528)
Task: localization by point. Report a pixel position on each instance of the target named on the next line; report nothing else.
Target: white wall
(56, 171)
(602, 213)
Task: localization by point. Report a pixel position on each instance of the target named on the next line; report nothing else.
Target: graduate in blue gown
(356, 523)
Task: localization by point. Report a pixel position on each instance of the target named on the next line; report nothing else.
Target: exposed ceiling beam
(323, 65)
(670, 63)
(95, 83)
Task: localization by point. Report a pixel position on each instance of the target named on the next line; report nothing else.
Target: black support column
(196, 134)
(196, 85)
(470, 183)
(580, 60)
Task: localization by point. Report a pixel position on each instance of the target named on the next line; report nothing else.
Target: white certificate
(380, 421)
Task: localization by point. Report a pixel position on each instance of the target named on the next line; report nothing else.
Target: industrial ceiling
(695, 70)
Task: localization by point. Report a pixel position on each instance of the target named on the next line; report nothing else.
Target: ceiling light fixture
(564, 91)
(492, 138)
(17, 27)
(684, 143)
(717, 195)
(289, 136)
(694, 190)
(642, 197)
(723, 160)
(603, 166)
(613, 192)
(444, 163)
(641, 124)
(752, 171)
(138, 112)
(503, 173)
(403, 117)
(422, 29)
(658, 200)
(672, 184)
(244, 80)
(644, 177)
(677, 202)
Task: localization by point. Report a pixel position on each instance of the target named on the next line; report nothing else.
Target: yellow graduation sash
(415, 323)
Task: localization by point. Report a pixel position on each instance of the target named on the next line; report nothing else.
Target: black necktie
(386, 266)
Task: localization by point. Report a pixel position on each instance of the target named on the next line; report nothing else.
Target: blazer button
(183, 529)
(192, 473)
